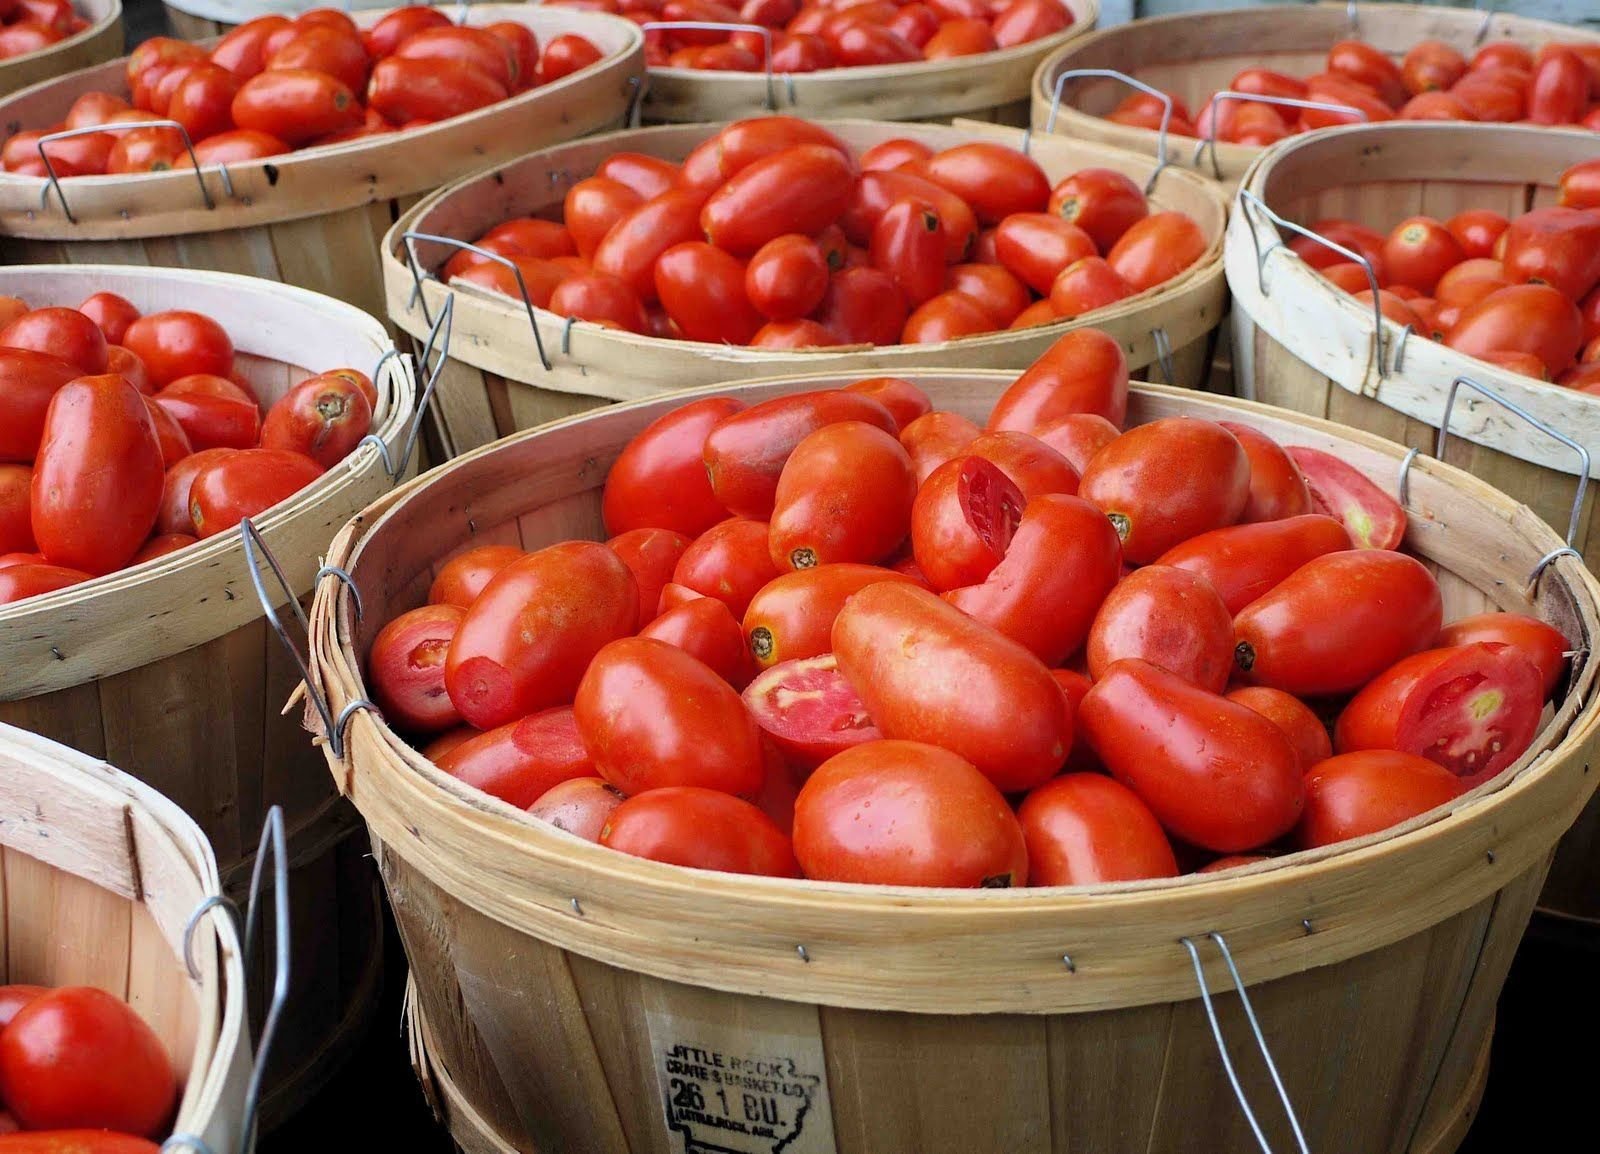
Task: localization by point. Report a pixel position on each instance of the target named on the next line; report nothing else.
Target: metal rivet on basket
(804, 957)
(1305, 924)
(1072, 966)
(56, 653)
(576, 908)
(1490, 855)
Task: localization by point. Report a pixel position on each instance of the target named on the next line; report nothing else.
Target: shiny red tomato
(396, 27)
(1033, 466)
(1156, 249)
(112, 313)
(716, 160)
(1028, 20)
(175, 344)
(1337, 622)
(1580, 185)
(1169, 617)
(963, 520)
(1036, 246)
(565, 55)
(907, 813)
(246, 484)
(1244, 562)
(298, 105)
(1086, 284)
(1539, 642)
(731, 561)
(994, 179)
(1082, 829)
(701, 829)
(1364, 64)
(519, 236)
(994, 289)
(79, 1057)
(1083, 372)
(1497, 96)
(845, 494)
(857, 43)
(599, 298)
(161, 546)
(1431, 66)
(659, 481)
(792, 616)
(1529, 318)
(1477, 230)
(174, 515)
(994, 703)
(1470, 281)
(593, 206)
(1303, 728)
(808, 711)
(960, 38)
(13, 998)
(649, 176)
(31, 579)
(787, 277)
(464, 576)
(1347, 234)
(16, 528)
(1374, 519)
(1356, 794)
(706, 630)
(406, 669)
(908, 243)
(702, 289)
(1277, 489)
(404, 90)
(802, 334)
(59, 332)
(651, 555)
(28, 381)
(521, 761)
(1078, 437)
(1559, 93)
(579, 805)
(1419, 251)
(323, 418)
(899, 152)
(1555, 246)
(947, 316)
(801, 189)
(934, 438)
(903, 400)
(635, 243)
(1333, 88)
(1215, 773)
(1102, 202)
(473, 47)
(170, 436)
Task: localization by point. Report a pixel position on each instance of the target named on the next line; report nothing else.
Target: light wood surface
(516, 931)
(96, 44)
(1193, 55)
(511, 390)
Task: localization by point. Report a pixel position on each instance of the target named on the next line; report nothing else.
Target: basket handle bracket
(1110, 74)
(410, 240)
(1208, 143)
(53, 180)
(438, 333)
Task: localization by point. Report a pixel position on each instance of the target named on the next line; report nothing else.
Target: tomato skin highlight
(1337, 622)
(1215, 773)
(1355, 794)
(521, 761)
(1082, 828)
(1303, 728)
(1538, 641)
(652, 715)
(792, 616)
(707, 631)
(1085, 371)
(907, 813)
(1171, 618)
(1244, 562)
(700, 829)
(993, 702)
(406, 668)
(845, 494)
(659, 481)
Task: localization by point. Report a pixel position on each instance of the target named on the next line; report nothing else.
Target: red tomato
(1085, 285)
(845, 494)
(403, 90)
(211, 421)
(565, 55)
(1078, 437)
(647, 176)
(702, 289)
(1361, 62)
(174, 515)
(170, 436)
(1357, 794)
(701, 829)
(994, 703)
(1419, 251)
(16, 529)
(580, 806)
(29, 579)
(1277, 489)
(176, 344)
(1539, 642)
(1244, 562)
(908, 243)
(1083, 372)
(801, 189)
(1530, 318)
(161, 546)
(79, 1057)
(473, 47)
(593, 206)
(803, 334)
(159, 50)
(858, 43)
(808, 710)
(1156, 249)
(600, 299)
(128, 366)
(791, 617)
(863, 306)
(1431, 66)
(730, 561)
(1374, 519)
(406, 668)
(635, 243)
(298, 105)
(399, 25)
(464, 576)
(994, 179)
(1337, 622)
(892, 154)
(707, 631)
(651, 555)
(1556, 246)
(1028, 20)
(13, 998)
(59, 332)
(1332, 88)
(1365, 241)
(934, 438)
(718, 159)
(1082, 828)
(659, 480)
(519, 236)
(28, 381)
(1033, 466)
(1559, 93)
(960, 38)
(994, 289)
(246, 484)
(874, 192)
(1303, 728)
(1497, 96)
(963, 520)
(1036, 246)
(1102, 202)
(112, 313)
(787, 277)
(1477, 230)
(1169, 617)
(521, 761)
(948, 316)
(1061, 563)
(903, 400)
(800, 53)
(1580, 185)
(1470, 281)
(323, 418)
(1434, 106)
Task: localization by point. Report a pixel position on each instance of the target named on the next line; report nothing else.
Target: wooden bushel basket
(1195, 54)
(108, 884)
(575, 999)
(1301, 343)
(96, 44)
(496, 380)
(992, 86)
(312, 218)
(168, 670)
(200, 19)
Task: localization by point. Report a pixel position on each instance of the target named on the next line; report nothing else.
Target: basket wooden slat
(495, 383)
(1307, 346)
(169, 670)
(99, 42)
(1193, 55)
(556, 980)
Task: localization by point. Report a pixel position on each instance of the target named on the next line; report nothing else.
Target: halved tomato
(1374, 519)
(809, 711)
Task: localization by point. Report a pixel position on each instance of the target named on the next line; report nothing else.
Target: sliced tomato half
(1373, 518)
(809, 710)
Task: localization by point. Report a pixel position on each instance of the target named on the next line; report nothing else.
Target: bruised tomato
(1083, 828)
(1356, 794)
(406, 667)
(579, 805)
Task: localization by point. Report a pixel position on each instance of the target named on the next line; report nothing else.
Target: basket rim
(111, 16)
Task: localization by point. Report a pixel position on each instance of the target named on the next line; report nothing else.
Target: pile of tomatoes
(1523, 294)
(1502, 83)
(125, 437)
(773, 234)
(843, 635)
(271, 86)
(80, 1073)
(808, 37)
(29, 25)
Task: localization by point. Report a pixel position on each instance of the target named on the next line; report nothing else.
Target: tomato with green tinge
(1356, 794)
(1337, 622)
(907, 813)
(1215, 773)
(1244, 562)
(935, 438)
(963, 520)
(845, 494)
(730, 561)
(659, 481)
(1300, 725)
(1085, 371)
(1171, 618)
(1538, 641)
(706, 630)
(406, 668)
(525, 642)
(579, 805)
(652, 715)
(521, 761)
(992, 701)
(1373, 519)
(1083, 828)
(792, 616)
(464, 576)
(701, 829)
(1277, 488)
(652, 555)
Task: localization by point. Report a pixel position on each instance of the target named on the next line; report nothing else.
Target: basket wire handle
(1111, 74)
(1543, 427)
(1261, 1043)
(272, 838)
(1250, 202)
(410, 240)
(255, 549)
(1352, 19)
(54, 184)
(1209, 141)
(397, 469)
(1483, 29)
(1164, 354)
(718, 26)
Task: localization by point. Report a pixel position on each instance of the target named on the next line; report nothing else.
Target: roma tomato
(1028, 20)
(79, 1057)
(16, 530)
(1303, 728)
(565, 55)
(802, 334)
(1364, 64)
(298, 105)
(211, 421)
(876, 191)
(993, 288)
(403, 90)
(523, 47)
(960, 38)
(1036, 247)
(463, 577)
(31, 579)
(1277, 490)
(76, 1142)
(170, 436)
(1156, 248)
(701, 829)
(1580, 185)
(994, 703)
(59, 332)
(808, 711)
(406, 667)
(1167, 481)
(177, 344)
(801, 189)
(1526, 318)
(652, 556)
(908, 243)
(112, 313)
(98, 475)
(1244, 562)
(1102, 202)
(1431, 66)
(707, 631)
(1337, 622)
(1215, 773)
(1419, 251)
(1356, 794)
(1477, 230)
(1062, 562)
(246, 484)
(1033, 466)
(702, 289)
(659, 481)
(1373, 519)
(651, 716)
(934, 438)
(963, 520)
(730, 561)
(994, 179)
(1539, 642)
(949, 316)
(579, 805)
(891, 154)
(716, 161)
(857, 43)
(907, 813)
(792, 616)
(28, 381)
(1471, 708)
(526, 640)
(323, 418)
(1469, 282)
(472, 46)
(1083, 828)
(1078, 437)
(787, 277)
(600, 299)
(1559, 91)
(845, 494)
(1554, 246)
(521, 761)
(904, 401)
(635, 243)
(395, 28)
(1169, 617)
(1085, 285)
(174, 515)
(1083, 372)
(649, 176)
(593, 206)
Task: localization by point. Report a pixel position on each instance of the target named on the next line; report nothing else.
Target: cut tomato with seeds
(809, 711)
(962, 522)
(1374, 519)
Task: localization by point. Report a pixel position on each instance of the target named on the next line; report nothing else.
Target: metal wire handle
(67, 134)
(1483, 29)
(718, 26)
(273, 839)
(1261, 1043)
(397, 469)
(1543, 427)
(1111, 74)
(255, 548)
(410, 240)
(1164, 354)
(1209, 140)
(1250, 202)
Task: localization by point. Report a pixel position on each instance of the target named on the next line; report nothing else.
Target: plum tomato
(1540, 643)
(1277, 488)
(1102, 201)
(731, 561)
(631, 249)
(904, 401)
(1157, 248)
(463, 577)
(1355, 794)
(863, 307)
(792, 615)
(702, 289)
(176, 344)
(1373, 518)
(16, 526)
(1034, 467)
(1086, 284)
(705, 629)
(175, 515)
(702, 829)
(1035, 247)
(1522, 318)
(323, 418)
(808, 710)
(28, 380)
(31, 579)
(59, 332)
(1300, 725)
(520, 762)
(659, 481)
(934, 438)
(787, 277)
(170, 436)
(845, 494)
(579, 805)
(1477, 230)
(245, 484)
(994, 179)
(963, 520)
(1083, 828)
(1243, 562)
(652, 555)
(406, 668)
(992, 287)
(1170, 617)
(908, 244)
(1085, 371)
(112, 313)
(1079, 436)
(802, 189)
(1419, 251)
